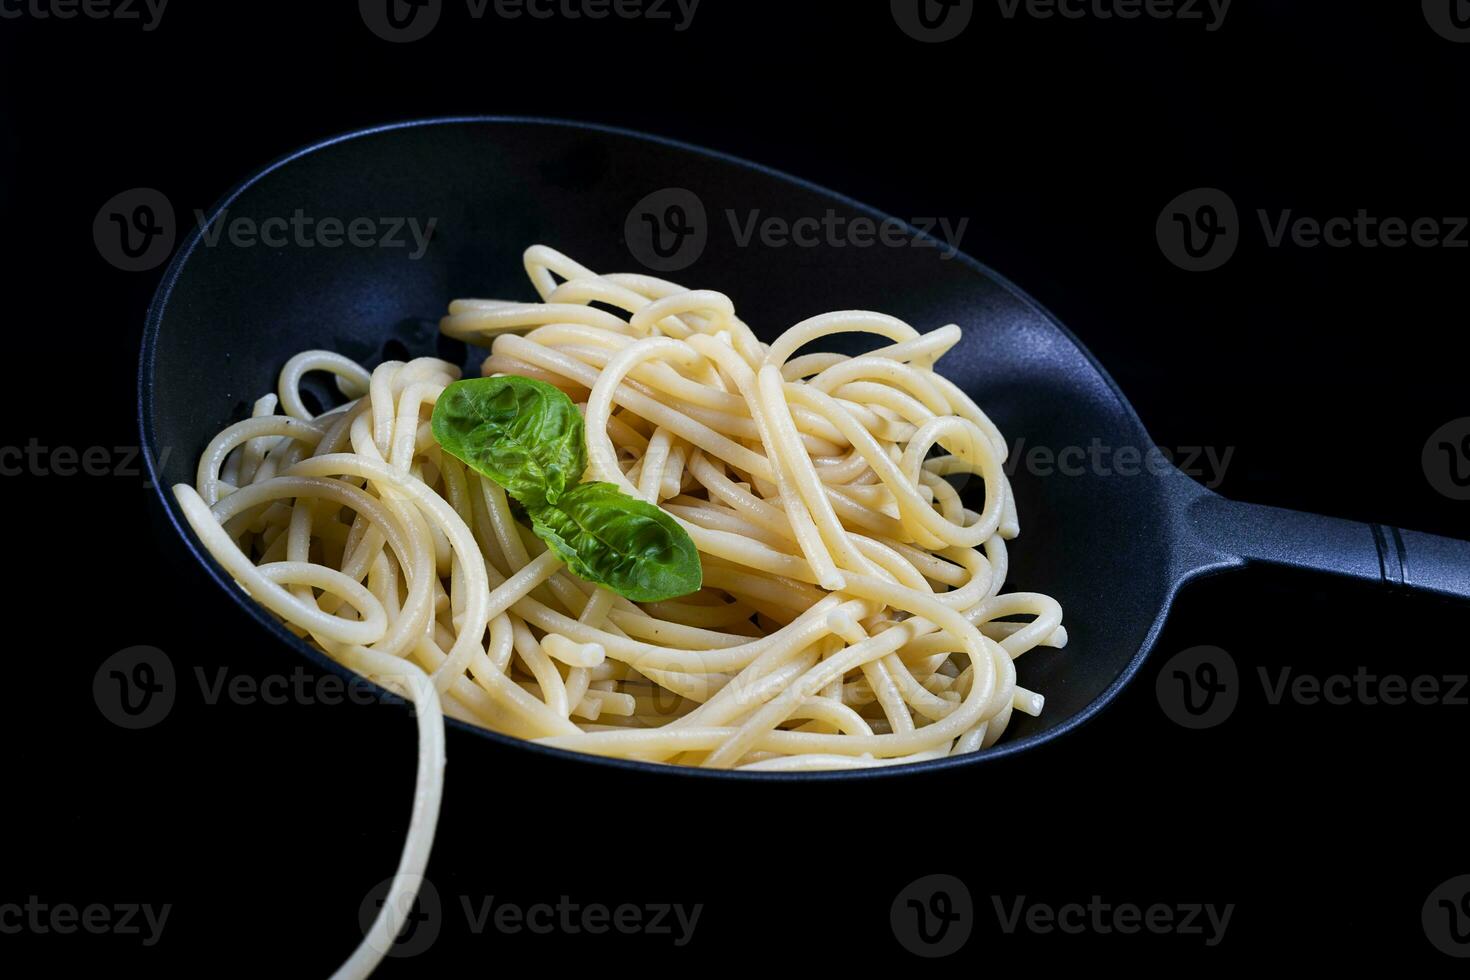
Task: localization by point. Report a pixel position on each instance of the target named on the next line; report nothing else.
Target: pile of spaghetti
(850, 613)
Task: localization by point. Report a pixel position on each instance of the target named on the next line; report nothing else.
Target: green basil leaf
(626, 544)
(525, 435)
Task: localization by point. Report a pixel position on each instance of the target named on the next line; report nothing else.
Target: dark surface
(1325, 371)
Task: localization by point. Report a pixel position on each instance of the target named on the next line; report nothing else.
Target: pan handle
(1235, 533)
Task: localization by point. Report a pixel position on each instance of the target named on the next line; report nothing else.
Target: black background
(1325, 370)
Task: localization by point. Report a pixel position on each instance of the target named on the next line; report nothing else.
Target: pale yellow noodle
(852, 612)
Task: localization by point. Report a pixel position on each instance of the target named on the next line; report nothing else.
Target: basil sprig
(528, 437)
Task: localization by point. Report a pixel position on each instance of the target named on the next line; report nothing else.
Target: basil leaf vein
(524, 434)
(626, 544)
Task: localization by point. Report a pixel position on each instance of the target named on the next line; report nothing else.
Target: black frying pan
(1113, 548)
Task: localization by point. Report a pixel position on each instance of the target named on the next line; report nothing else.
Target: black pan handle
(1232, 533)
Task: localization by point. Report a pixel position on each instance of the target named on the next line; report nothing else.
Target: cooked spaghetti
(851, 611)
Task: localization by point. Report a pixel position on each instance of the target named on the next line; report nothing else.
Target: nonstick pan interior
(228, 315)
